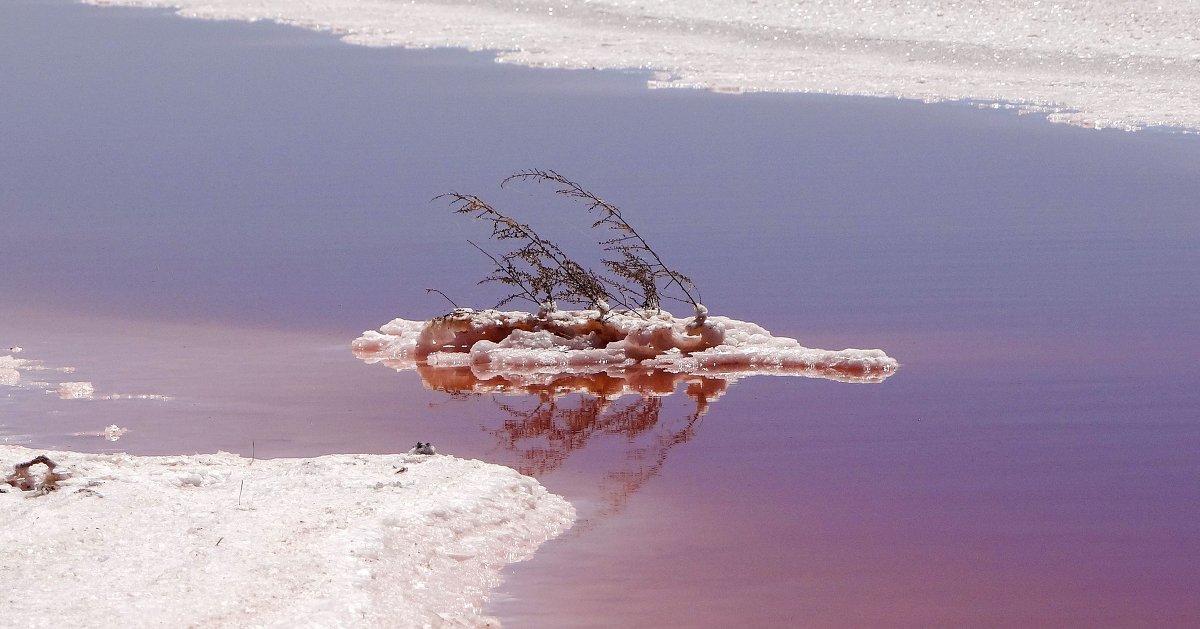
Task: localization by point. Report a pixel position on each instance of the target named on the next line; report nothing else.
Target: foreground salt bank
(226, 541)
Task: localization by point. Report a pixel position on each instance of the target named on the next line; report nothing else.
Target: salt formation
(1117, 63)
(223, 541)
(492, 342)
(12, 368)
(10, 373)
(76, 391)
(112, 432)
(635, 334)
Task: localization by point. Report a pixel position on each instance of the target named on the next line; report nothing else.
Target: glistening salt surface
(1122, 63)
(226, 541)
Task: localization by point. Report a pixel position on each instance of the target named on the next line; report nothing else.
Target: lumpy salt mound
(492, 341)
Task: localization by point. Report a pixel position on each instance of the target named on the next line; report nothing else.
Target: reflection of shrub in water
(544, 436)
(569, 412)
(558, 429)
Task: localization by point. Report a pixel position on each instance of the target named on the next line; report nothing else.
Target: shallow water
(216, 221)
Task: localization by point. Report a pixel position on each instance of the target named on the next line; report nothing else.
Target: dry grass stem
(538, 271)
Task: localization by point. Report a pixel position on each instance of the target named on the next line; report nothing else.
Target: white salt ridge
(1119, 63)
(223, 541)
(87, 391)
(493, 343)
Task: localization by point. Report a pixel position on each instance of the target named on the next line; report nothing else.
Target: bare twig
(540, 272)
(444, 296)
(633, 261)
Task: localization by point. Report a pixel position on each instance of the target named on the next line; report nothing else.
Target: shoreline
(220, 540)
(1083, 70)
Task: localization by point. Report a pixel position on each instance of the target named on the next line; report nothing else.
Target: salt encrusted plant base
(492, 342)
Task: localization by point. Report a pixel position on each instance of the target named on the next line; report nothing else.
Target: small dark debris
(41, 458)
(423, 448)
(23, 480)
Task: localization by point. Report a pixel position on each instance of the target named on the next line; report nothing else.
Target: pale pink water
(216, 221)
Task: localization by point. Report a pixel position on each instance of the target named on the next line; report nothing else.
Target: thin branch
(638, 262)
(538, 267)
(542, 273)
(444, 296)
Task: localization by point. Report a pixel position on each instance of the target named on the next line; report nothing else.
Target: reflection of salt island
(547, 427)
(523, 346)
(554, 354)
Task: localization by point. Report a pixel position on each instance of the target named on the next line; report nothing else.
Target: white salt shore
(225, 541)
(1118, 63)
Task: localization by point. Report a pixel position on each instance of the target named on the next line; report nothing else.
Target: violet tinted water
(211, 212)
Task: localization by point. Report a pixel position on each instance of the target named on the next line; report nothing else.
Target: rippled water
(213, 223)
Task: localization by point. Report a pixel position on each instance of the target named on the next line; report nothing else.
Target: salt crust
(1119, 63)
(222, 541)
(495, 343)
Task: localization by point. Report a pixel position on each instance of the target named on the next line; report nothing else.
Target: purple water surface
(212, 212)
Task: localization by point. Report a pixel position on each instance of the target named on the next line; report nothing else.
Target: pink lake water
(211, 213)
